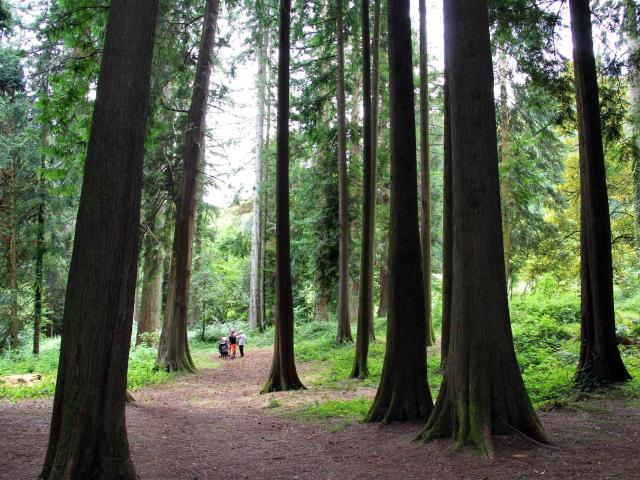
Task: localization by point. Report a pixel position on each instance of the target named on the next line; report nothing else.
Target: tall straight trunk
(600, 360)
(88, 436)
(151, 300)
(425, 173)
(482, 393)
(194, 315)
(403, 393)
(375, 125)
(13, 258)
(447, 224)
(283, 375)
(40, 249)
(633, 36)
(256, 290)
(365, 300)
(344, 324)
(173, 351)
(505, 189)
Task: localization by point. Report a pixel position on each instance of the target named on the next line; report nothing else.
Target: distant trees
(482, 393)
(600, 360)
(88, 437)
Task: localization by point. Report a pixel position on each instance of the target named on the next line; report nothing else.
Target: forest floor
(215, 425)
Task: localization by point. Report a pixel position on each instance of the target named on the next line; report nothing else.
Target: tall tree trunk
(482, 393)
(505, 188)
(13, 258)
(283, 375)
(151, 300)
(403, 393)
(88, 436)
(40, 249)
(447, 224)
(256, 290)
(375, 125)
(600, 360)
(365, 300)
(425, 173)
(200, 227)
(344, 324)
(633, 36)
(173, 351)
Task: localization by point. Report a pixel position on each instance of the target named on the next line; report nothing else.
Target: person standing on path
(233, 343)
(242, 341)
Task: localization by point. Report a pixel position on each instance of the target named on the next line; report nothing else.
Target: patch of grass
(353, 409)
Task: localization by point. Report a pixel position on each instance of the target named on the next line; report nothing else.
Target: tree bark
(151, 300)
(482, 393)
(173, 351)
(344, 324)
(375, 125)
(425, 173)
(403, 393)
(283, 375)
(40, 249)
(256, 290)
(88, 435)
(600, 360)
(505, 188)
(365, 298)
(13, 258)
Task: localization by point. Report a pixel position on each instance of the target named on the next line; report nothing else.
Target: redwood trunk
(600, 360)
(88, 436)
(425, 171)
(505, 189)
(344, 324)
(283, 375)
(151, 284)
(365, 299)
(173, 351)
(482, 393)
(256, 290)
(403, 393)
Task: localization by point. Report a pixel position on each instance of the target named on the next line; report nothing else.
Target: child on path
(223, 348)
(242, 341)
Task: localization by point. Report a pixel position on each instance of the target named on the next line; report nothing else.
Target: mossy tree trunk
(600, 360)
(88, 435)
(403, 393)
(173, 350)
(365, 298)
(283, 375)
(482, 393)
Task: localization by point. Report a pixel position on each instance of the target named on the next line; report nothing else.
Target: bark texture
(173, 351)
(88, 436)
(344, 323)
(365, 298)
(447, 224)
(403, 393)
(600, 360)
(482, 393)
(283, 375)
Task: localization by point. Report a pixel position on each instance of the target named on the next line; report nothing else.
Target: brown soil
(214, 425)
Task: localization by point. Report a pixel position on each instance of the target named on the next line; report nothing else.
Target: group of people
(229, 345)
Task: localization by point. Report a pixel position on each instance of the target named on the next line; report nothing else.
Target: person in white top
(242, 341)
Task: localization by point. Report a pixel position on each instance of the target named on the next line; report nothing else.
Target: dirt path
(214, 425)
